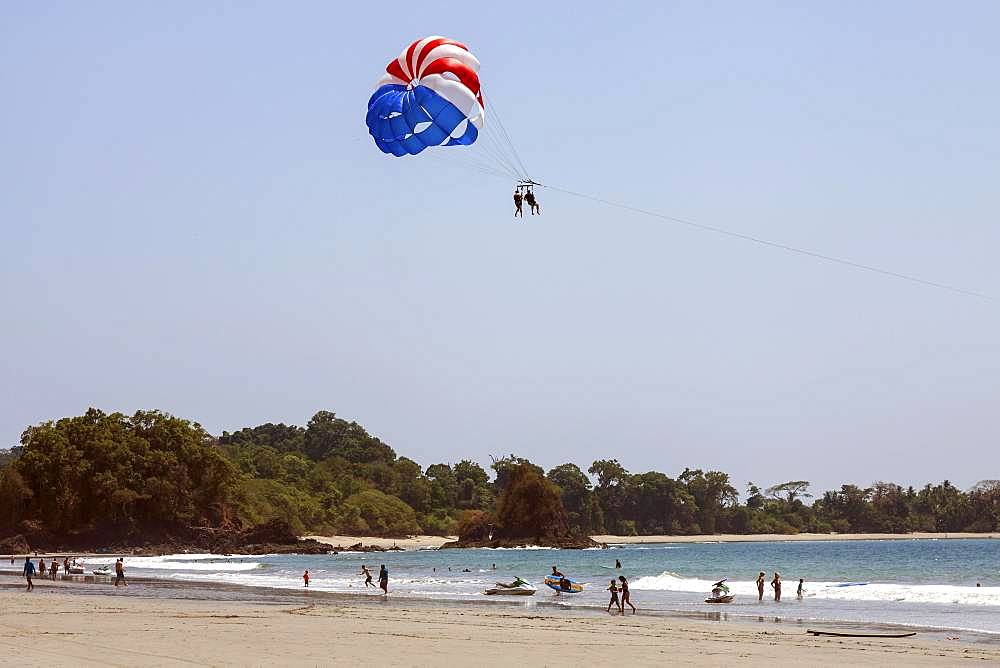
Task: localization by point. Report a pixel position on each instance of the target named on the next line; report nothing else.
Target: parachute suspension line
(468, 162)
(495, 113)
(773, 244)
(498, 151)
(494, 154)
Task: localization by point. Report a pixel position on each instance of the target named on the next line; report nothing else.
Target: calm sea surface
(922, 583)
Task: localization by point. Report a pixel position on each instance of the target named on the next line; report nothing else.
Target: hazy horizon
(196, 220)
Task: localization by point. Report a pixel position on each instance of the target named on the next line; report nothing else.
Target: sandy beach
(52, 628)
(766, 537)
(408, 543)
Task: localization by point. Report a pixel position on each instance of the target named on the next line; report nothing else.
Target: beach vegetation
(143, 472)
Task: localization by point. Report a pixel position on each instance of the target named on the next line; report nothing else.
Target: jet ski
(720, 593)
(516, 588)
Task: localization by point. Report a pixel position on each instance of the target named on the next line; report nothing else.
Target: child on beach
(368, 577)
(613, 588)
(305, 578)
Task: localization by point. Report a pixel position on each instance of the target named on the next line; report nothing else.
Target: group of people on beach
(776, 586)
(52, 569)
(383, 578)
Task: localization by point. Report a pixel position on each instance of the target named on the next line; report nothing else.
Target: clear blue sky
(195, 219)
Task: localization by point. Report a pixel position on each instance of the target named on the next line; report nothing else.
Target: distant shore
(123, 627)
(771, 537)
(428, 542)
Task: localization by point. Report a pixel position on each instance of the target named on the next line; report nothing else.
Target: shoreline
(427, 542)
(302, 628)
(156, 588)
(782, 538)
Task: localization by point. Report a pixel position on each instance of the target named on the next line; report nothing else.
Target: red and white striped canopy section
(445, 66)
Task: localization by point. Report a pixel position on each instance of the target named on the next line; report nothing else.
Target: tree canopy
(152, 469)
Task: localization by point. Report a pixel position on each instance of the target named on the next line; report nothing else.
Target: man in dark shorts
(383, 579)
(368, 576)
(529, 197)
(29, 572)
(120, 572)
(518, 211)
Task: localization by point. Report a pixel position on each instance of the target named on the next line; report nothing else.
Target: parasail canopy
(429, 96)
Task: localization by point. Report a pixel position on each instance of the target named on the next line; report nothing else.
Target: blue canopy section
(406, 121)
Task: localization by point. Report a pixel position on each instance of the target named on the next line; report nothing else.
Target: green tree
(582, 512)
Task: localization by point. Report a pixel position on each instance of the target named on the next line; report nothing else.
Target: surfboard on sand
(845, 634)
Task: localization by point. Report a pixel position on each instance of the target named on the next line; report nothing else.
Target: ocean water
(919, 583)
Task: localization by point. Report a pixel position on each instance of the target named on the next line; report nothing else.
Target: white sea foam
(836, 591)
(193, 562)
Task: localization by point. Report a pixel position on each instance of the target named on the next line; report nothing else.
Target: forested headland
(122, 478)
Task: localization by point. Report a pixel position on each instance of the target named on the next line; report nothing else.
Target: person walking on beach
(776, 584)
(760, 586)
(120, 572)
(29, 572)
(800, 590)
(383, 579)
(625, 595)
(613, 588)
(368, 577)
(41, 567)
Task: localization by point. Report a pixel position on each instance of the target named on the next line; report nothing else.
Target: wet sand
(54, 627)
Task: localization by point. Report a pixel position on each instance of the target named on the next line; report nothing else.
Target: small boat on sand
(76, 570)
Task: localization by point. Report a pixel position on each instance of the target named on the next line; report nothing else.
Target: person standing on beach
(613, 588)
(625, 595)
(800, 590)
(368, 577)
(66, 565)
(120, 572)
(383, 579)
(29, 572)
(760, 586)
(776, 584)
(41, 567)
(54, 568)
(305, 578)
